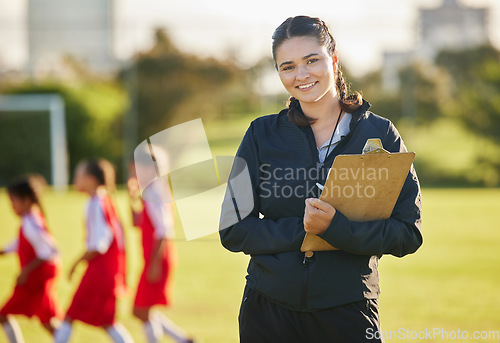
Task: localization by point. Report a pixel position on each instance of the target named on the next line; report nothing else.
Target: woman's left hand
(318, 216)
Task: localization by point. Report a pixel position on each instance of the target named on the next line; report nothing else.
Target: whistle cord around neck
(331, 138)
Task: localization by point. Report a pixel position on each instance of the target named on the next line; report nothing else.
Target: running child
(153, 215)
(94, 302)
(34, 293)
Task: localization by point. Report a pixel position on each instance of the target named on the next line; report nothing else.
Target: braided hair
(301, 26)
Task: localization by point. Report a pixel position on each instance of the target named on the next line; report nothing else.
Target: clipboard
(363, 187)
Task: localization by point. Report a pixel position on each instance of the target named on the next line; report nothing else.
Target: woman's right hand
(317, 216)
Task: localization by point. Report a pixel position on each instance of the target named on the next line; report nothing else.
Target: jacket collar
(359, 113)
(356, 116)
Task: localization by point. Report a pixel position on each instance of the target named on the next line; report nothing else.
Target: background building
(450, 26)
(83, 30)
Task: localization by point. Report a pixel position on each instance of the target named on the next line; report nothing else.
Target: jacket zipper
(308, 255)
(308, 259)
(303, 296)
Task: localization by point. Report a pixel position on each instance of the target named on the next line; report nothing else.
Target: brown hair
(28, 187)
(102, 170)
(301, 26)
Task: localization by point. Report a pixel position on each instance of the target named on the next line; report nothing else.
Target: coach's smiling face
(306, 69)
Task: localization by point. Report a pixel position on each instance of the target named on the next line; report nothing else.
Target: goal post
(54, 104)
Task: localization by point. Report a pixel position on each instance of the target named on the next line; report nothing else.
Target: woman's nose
(302, 73)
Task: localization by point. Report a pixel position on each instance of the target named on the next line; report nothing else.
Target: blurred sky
(363, 28)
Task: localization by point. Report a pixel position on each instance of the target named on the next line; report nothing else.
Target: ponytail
(103, 171)
(348, 102)
(296, 115)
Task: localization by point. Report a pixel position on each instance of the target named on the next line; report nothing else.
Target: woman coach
(332, 296)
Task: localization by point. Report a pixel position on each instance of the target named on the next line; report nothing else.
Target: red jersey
(110, 267)
(36, 297)
(26, 251)
(95, 299)
(156, 223)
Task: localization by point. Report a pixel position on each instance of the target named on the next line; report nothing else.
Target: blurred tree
(476, 100)
(476, 88)
(461, 86)
(387, 104)
(171, 86)
(424, 90)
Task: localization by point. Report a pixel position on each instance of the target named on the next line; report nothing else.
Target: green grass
(450, 283)
(208, 283)
(224, 136)
(448, 153)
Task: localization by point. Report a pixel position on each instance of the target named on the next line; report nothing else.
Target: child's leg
(61, 335)
(156, 324)
(118, 333)
(169, 327)
(152, 329)
(12, 329)
(52, 325)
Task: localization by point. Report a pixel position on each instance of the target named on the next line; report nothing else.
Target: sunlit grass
(446, 149)
(450, 283)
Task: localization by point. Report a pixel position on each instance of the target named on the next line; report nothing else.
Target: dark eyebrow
(304, 58)
(310, 55)
(285, 63)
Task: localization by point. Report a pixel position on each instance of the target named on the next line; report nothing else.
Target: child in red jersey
(94, 302)
(153, 214)
(34, 293)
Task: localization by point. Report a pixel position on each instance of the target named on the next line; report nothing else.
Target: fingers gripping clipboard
(363, 187)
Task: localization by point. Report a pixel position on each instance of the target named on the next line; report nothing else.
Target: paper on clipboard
(363, 187)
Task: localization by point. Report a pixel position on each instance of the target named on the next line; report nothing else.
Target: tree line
(163, 86)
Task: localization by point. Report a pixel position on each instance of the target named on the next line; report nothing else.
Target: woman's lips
(306, 86)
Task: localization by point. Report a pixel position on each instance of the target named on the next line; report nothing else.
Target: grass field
(208, 282)
(451, 283)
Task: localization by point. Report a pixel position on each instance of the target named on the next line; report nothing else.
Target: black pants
(264, 321)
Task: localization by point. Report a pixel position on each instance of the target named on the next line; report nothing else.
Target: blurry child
(153, 215)
(34, 293)
(94, 302)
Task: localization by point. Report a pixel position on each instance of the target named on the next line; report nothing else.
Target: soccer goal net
(33, 137)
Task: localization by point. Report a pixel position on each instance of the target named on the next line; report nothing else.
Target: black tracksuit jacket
(282, 160)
